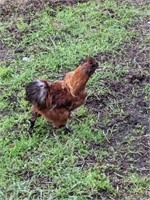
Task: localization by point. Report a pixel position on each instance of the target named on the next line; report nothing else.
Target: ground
(106, 156)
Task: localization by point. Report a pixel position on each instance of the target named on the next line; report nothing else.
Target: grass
(140, 184)
(52, 164)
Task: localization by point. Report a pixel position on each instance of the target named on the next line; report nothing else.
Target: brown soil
(12, 8)
(127, 133)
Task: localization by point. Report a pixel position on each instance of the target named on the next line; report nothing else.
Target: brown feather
(56, 101)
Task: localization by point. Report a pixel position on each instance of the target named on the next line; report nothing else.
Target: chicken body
(55, 101)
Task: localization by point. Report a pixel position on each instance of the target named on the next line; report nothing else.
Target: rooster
(55, 101)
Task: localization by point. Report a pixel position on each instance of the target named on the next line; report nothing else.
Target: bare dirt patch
(127, 139)
(15, 8)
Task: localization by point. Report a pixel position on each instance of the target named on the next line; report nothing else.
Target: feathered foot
(32, 122)
(68, 129)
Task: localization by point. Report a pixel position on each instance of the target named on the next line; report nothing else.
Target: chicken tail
(77, 79)
(89, 66)
(37, 93)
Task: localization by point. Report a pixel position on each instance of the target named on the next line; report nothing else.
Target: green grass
(73, 33)
(140, 184)
(52, 164)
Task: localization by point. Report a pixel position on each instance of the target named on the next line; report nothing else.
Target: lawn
(106, 156)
